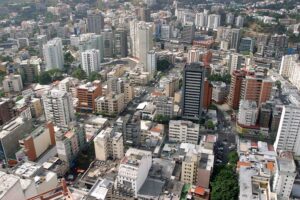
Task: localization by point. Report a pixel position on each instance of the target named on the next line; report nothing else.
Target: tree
(226, 78)
(163, 65)
(278, 84)
(68, 58)
(162, 119)
(45, 78)
(79, 74)
(55, 74)
(94, 76)
(210, 124)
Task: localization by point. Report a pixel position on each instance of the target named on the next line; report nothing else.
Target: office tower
(235, 62)
(192, 93)
(193, 55)
(6, 110)
(201, 20)
(239, 21)
(90, 60)
(134, 175)
(213, 21)
(53, 54)
(285, 174)
(91, 41)
(58, 107)
(229, 18)
(108, 40)
(288, 134)
(188, 33)
(257, 87)
(248, 113)
(120, 43)
(165, 32)
(95, 21)
(12, 83)
(108, 144)
(41, 40)
(69, 143)
(235, 89)
(145, 41)
(246, 45)
(207, 96)
(235, 38)
(151, 63)
(87, 95)
(287, 65)
(144, 14)
(276, 47)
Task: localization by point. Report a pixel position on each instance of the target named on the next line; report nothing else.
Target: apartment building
(164, 106)
(12, 83)
(233, 99)
(183, 131)
(248, 113)
(111, 104)
(109, 144)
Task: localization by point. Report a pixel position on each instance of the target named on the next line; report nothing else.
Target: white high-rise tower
(53, 54)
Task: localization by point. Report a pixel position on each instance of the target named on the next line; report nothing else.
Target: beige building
(36, 107)
(110, 104)
(12, 83)
(128, 93)
(189, 168)
(171, 87)
(109, 144)
(183, 131)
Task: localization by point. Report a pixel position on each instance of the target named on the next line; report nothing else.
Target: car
(219, 161)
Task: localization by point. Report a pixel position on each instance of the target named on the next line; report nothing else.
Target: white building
(90, 60)
(201, 20)
(58, 106)
(145, 41)
(219, 91)
(285, 175)
(239, 21)
(287, 62)
(134, 169)
(12, 83)
(193, 55)
(109, 143)
(213, 21)
(53, 54)
(183, 131)
(248, 113)
(235, 62)
(288, 135)
(151, 63)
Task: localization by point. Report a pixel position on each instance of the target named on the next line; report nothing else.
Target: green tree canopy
(163, 65)
(79, 74)
(94, 76)
(45, 78)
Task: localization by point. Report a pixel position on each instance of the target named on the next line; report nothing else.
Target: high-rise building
(53, 54)
(151, 63)
(201, 20)
(41, 40)
(144, 14)
(248, 113)
(120, 43)
(95, 21)
(192, 93)
(108, 144)
(239, 21)
(188, 33)
(165, 32)
(91, 41)
(183, 131)
(90, 60)
(276, 47)
(58, 107)
(229, 18)
(12, 83)
(288, 134)
(213, 21)
(276, 116)
(108, 40)
(246, 45)
(87, 95)
(133, 169)
(219, 91)
(285, 174)
(207, 96)
(69, 143)
(145, 41)
(235, 38)
(257, 87)
(265, 113)
(235, 89)
(235, 62)
(6, 110)
(287, 62)
(193, 56)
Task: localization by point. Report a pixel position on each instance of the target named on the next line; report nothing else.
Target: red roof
(254, 144)
(200, 191)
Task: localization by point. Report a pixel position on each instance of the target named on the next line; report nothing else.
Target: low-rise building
(164, 106)
(111, 104)
(12, 83)
(219, 91)
(183, 131)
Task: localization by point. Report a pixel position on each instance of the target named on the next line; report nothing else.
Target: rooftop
(7, 181)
